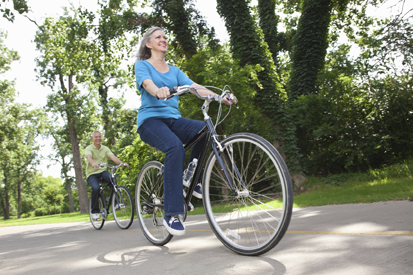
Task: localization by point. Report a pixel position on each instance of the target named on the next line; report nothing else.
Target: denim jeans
(169, 135)
(93, 181)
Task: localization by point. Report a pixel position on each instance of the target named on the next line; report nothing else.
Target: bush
(26, 207)
(27, 215)
(39, 212)
(65, 208)
(12, 210)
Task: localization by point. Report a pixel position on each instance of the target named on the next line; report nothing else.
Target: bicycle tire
(98, 224)
(151, 219)
(124, 214)
(249, 223)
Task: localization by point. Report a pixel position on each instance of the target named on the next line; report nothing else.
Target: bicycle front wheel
(149, 203)
(122, 207)
(254, 219)
(98, 223)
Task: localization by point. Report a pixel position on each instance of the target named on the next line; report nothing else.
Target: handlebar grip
(172, 91)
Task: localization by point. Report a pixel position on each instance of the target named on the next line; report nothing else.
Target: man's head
(97, 139)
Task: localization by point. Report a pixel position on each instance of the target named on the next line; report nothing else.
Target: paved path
(342, 239)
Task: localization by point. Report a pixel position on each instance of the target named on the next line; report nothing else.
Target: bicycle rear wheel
(255, 219)
(149, 203)
(122, 207)
(98, 223)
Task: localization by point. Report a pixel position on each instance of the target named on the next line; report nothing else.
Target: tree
(19, 127)
(249, 48)
(62, 154)
(52, 195)
(309, 46)
(268, 23)
(18, 5)
(66, 58)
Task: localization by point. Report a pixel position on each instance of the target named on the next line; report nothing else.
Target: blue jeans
(169, 135)
(93, 181)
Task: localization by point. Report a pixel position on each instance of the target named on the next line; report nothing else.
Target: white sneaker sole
(197, 195)
(173, 231)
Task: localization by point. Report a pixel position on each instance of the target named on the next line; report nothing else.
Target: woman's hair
(144, 52)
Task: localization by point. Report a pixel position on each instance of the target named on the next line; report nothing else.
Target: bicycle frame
(113, 191)
(212, 140)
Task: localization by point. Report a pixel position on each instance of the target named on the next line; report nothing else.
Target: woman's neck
(159, 63)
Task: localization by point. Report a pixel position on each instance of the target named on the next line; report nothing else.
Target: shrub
(12, 210)
(27, 215)
(65, 208)
(39, 212)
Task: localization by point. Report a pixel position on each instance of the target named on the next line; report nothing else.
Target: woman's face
(158, 42)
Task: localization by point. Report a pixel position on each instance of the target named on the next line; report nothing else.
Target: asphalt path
(374, 239)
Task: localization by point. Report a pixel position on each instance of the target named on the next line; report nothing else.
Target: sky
(21, 35)
(20, 38)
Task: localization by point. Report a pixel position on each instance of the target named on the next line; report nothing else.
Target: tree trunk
(248, 47)
(6, 209)
(179, 18)
(77, 160)
(3, 206)
(69, 193)
(310, 47)
(77, 163)
(19, 199)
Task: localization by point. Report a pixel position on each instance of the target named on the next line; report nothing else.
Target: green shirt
(99, 156)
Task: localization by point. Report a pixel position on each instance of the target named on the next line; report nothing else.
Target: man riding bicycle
(97, 153)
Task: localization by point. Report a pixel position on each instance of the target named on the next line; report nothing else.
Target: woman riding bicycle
(160, 123)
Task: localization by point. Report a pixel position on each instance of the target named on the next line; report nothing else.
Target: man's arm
(92, 162)
(117, 161)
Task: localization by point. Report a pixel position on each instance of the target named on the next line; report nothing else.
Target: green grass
(390, 183)
(356, 192)
(387, 184)
(58, 218)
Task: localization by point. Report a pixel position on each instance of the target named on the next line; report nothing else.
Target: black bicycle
(247, 190)
(121, 202)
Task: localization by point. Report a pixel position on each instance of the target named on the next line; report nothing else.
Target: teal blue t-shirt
(152, 107)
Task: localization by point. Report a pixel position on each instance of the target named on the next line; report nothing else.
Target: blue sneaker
(198, 191)
(174, 225)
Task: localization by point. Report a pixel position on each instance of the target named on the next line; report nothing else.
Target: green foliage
(219, 69)
(26, 206)
(249, 47)
(68, 53)
(136, 155)
(187, 25)
(18, 5)
(352, 126)
(52, 195)
(39, 212)
(268, 24)
(13, 210)
(310, 47)
(20, 125)
(65, 208)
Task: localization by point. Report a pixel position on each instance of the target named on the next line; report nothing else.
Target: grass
(387, 184)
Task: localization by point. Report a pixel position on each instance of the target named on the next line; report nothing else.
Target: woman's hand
(226, 100)
(162, 93)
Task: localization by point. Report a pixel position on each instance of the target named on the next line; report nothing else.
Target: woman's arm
(152, 89)
(204, 92)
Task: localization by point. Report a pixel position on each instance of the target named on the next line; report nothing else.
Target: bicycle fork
(227, 152)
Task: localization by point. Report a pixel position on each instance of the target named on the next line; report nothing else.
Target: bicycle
(247, 190)
(122, 203)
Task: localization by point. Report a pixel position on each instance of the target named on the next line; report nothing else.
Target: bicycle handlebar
(177, 91)
(111, 166)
